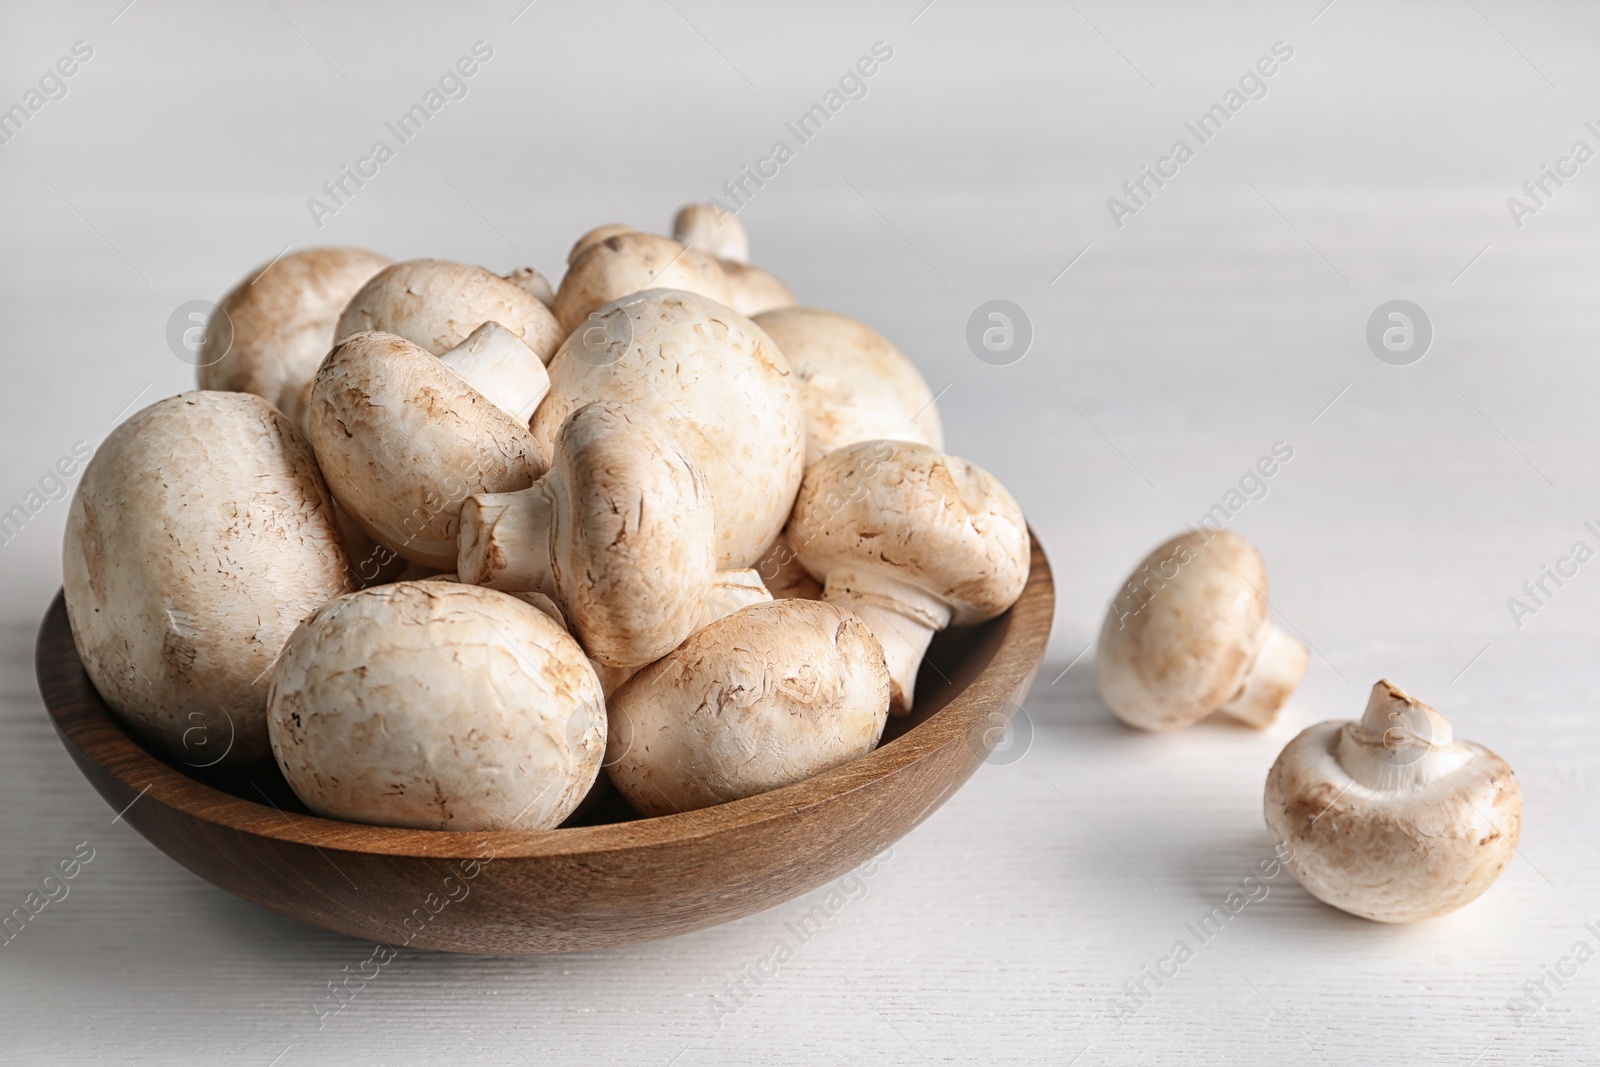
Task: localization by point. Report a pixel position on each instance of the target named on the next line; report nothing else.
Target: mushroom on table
(1390, 817)
(1189, 635)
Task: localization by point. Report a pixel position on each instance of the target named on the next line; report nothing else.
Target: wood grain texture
(580, 886)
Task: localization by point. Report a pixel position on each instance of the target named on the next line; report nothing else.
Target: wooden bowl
(577, 887)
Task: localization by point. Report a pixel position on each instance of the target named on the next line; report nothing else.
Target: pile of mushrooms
(447, 545)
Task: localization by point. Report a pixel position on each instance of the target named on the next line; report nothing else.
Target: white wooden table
(1227, 314)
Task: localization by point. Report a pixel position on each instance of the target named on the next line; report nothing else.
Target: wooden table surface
(1226, 315)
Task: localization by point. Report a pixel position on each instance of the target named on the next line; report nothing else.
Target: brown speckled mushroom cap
(631, 262)
(1189, 634)
(621, 533)
(912, 540)
(436, 304)
(437, 706)
(767, 696)
(855, 385)
(403, 439)
(1390, 817)
(594, 237)
(278, 323)
(200, 535)
(719, 382)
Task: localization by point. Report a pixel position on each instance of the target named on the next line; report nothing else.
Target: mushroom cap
(436, 706)
(1184, 631)
(436, 303)
(855, 385)
(719, 382)
(403, 440)
(765, 697)
(752, 290)
(712, 230)
(594, 237)
(1393, 854)
(914, 515)
(631, 262)
(200, 535)
(633, 541)
(281, 322)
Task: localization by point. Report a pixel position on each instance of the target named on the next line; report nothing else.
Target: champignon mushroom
(1391, 818)
(855, 385)
(405, 437)
(1189, 635)
(594, 237)
(911, 540)
(435, 304)
(199, 537)
(530, 280)
(436, 706)
(718, 381)
(709, 228)
(729, 591)
(631, 262)
(767, 696)
(272, 329)
(620, 533)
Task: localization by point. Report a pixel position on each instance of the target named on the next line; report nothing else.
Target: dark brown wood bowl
(608, 877)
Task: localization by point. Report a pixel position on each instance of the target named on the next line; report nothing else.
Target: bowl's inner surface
(954, 658)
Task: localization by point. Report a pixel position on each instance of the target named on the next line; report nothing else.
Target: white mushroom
(713, 230)
(729, 591)
(436, 706)
(911, 540)
(709, 228)
(631, 262)
(435, 304)
(718, 381)
(1189, 635)
(272, 329)
(405, 437)
(530, 280)
(855, 385)
(620, 533)
(762, 698)
(1391, 818)
(200, 535)
(594, 237)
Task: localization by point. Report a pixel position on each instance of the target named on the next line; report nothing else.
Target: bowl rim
(87, 725)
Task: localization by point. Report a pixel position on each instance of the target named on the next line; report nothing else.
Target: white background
(1224, 317)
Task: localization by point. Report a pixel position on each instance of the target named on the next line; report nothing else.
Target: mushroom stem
(504, 540)
(1280, 664)
(901, 616)
(1399, 743)
(501, 366)
(729, 592)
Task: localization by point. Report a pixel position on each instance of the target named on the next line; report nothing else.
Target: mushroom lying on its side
(718, 380)
(272, 329)
(405, 437)
(1189, 635)
(436, 706)
(763, 698)
(911, 540)
(631, 262)
(855, 385)
(436, 304)
(200, 536)
(620, 533)
(1391, 818)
